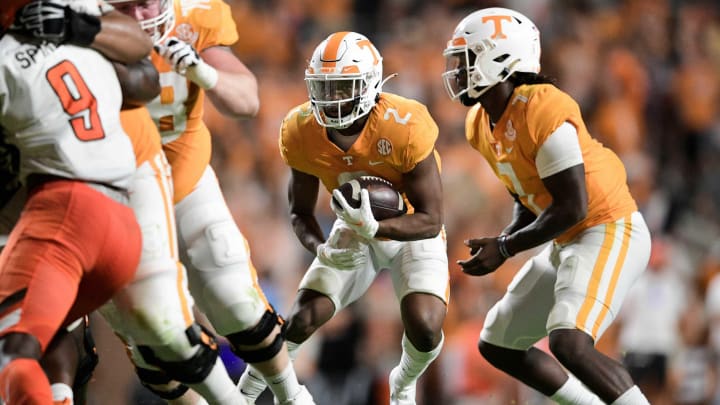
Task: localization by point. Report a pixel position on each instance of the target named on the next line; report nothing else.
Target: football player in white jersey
(194, 60)
(155, 321)
(77, 241)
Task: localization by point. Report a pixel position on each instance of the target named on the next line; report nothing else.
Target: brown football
(385, 201)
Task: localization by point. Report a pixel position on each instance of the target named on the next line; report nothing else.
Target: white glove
(342, 250)
(185, 60)
(361, 219)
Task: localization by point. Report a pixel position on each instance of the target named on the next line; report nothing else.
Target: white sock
(251, 383)
(61, 392)
(414, 362)
(218, 387)
(633, 396)
(573, 392)
(284, 385)
(292, 348)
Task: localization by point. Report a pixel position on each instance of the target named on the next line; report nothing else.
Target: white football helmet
(486, 48)
(344, 78)
(158, 26)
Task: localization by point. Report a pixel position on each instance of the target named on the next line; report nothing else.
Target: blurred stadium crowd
(647, 76)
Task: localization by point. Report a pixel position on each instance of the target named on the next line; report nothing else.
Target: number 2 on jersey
(77, 101)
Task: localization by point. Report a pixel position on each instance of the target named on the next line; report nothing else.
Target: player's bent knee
(490, 352)
(570, 346)
(194, 369)
(160, 384)
(255, 336)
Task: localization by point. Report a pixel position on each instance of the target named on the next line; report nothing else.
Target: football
(385, 201)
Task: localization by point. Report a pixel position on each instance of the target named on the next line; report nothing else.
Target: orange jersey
(143, 133)
(399, 133)
(178, 111)
(533, 114)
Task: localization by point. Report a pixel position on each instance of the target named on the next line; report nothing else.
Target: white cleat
(303, 397)
(404, 396)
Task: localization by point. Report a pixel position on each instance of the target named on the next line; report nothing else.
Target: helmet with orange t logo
(344, 78)
(486, 48)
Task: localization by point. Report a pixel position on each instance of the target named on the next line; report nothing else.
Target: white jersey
(60, 106)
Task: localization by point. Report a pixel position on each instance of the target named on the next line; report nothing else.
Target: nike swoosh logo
(375, 163)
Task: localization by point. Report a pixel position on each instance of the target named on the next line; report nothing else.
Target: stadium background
(646, 75)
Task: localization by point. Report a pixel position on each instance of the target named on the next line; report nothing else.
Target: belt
(116, 194)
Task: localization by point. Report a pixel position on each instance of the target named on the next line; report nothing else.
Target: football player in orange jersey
(76, 242)
(155, 321)
(193, 57)
(570, 191)
(349, 128)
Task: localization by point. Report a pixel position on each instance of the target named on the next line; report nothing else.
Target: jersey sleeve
(548, 109)
(288, 142)
(214, 24)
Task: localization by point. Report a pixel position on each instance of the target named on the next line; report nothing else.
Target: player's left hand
(179, 54)
(361, 219)
(485, 259)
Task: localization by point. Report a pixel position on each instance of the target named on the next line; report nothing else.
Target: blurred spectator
(650, 323)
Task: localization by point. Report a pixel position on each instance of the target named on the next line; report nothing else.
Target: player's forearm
(139, 82)
(235, 95)
(121, 39)
(522, 217)
(551, 223)
(410, 227)
(308, 231)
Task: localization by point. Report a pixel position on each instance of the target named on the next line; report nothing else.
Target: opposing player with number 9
(77, 242)
(348, 129)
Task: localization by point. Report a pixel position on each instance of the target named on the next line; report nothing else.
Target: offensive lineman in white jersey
(154, 320)
(76, 242)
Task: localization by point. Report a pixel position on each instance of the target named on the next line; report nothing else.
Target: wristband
(502, 246)
(203, 75)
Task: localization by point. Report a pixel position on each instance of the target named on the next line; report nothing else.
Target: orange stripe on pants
(615, 275)
(596, 277)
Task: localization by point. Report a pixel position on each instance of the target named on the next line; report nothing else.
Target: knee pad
(256, 335)
(194, 369)
(152, 379)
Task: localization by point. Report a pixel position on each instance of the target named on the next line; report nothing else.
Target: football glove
(55, 21)
(361, 219)
(185, 60)
(342, 250)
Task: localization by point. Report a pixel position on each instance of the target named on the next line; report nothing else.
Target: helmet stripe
(330, 54)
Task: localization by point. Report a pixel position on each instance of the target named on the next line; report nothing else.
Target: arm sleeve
(560, 151)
